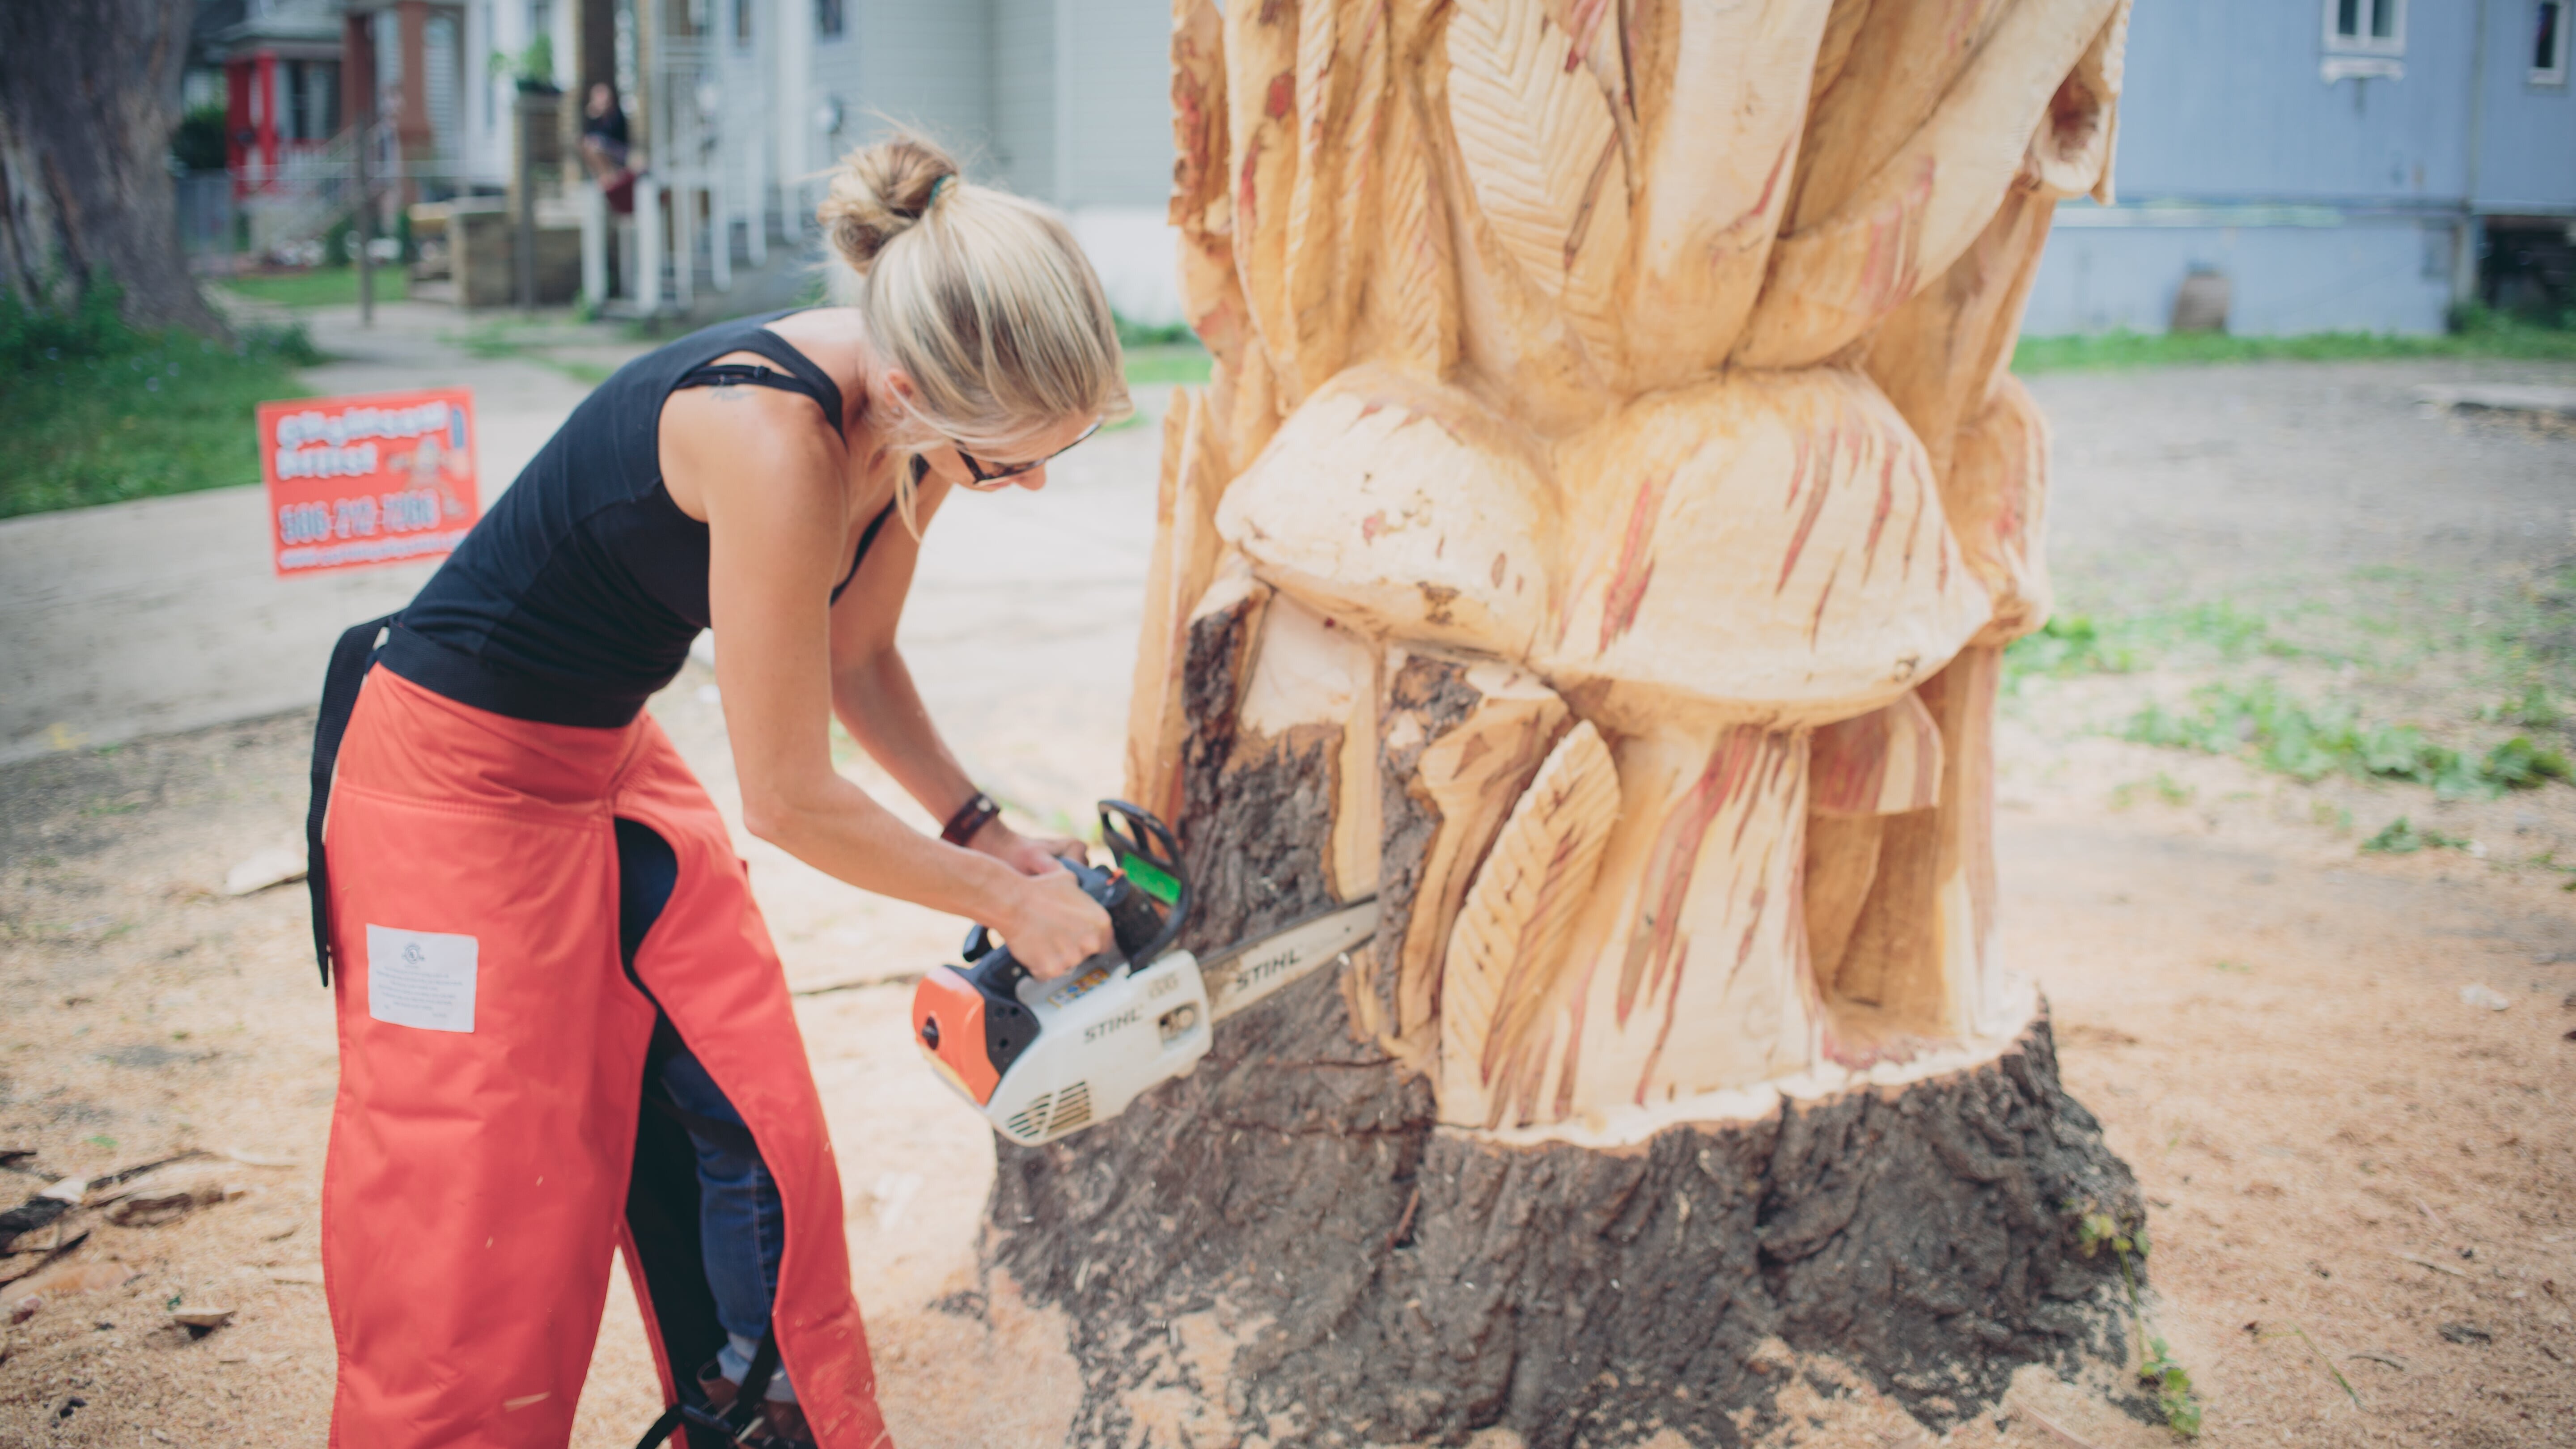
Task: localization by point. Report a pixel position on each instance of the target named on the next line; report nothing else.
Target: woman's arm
(767, 479)
(873, 692)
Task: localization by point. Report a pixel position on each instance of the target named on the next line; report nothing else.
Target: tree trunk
(1286, 1246)
(1598, 542)
(89, 94)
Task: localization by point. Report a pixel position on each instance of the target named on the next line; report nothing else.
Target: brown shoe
(779, 1425)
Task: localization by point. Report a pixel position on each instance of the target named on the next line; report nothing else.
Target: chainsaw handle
(1127, 830)
(994, 966)
(1140, 837)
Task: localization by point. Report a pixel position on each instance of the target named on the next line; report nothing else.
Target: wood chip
(2054, 1430)
(75, 1278)
(300, 1274)
(2399, 1364)
(202, 1318)
(2429, 1263)
(274, 867)
(259, 1159)
(56, 1254)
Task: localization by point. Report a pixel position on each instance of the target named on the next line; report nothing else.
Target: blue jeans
(742, 1225)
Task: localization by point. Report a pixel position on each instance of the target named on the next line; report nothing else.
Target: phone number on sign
(409, 511)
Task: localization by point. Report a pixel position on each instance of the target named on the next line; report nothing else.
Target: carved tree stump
(1598, 542)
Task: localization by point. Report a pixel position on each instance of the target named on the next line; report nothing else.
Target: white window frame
(2554, 74)
(2338, 43)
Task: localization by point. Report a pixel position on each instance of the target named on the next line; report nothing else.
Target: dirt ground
(2362, 1181)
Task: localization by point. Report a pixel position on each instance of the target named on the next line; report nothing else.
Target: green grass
(2483, 335)
(1183, 362)
(2265, 724)
(2070, 644)
(2402, 838)
(97, 412)
(320, 287)
(1149, 334)
(499, 339)
(2175, 1398)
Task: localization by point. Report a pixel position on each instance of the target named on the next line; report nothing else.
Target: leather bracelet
(978, 812)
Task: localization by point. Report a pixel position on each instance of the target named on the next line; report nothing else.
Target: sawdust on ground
(2362, 1185)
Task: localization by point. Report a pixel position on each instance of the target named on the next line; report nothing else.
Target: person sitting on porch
(604, 146)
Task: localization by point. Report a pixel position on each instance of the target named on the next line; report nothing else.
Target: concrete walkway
(160, 615)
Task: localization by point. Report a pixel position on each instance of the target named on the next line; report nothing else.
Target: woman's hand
(1026, 854)
(1053, 926)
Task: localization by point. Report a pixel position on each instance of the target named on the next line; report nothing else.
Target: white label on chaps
(420, 978)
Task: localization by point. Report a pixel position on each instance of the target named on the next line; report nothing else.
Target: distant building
(2346, 165)
(738, 108)
(280, 66)
(2340, 164)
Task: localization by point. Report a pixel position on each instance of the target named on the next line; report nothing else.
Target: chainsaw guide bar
(1249, 972)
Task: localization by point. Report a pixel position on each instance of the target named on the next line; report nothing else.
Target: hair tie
(937, 187)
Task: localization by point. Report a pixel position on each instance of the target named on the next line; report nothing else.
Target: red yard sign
(353, 481)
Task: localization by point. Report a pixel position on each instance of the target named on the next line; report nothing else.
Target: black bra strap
(744, 374)
(860, 555)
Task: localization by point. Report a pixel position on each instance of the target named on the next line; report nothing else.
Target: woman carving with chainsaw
(563, 1028)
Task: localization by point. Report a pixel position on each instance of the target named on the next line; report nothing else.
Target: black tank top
(578, 595)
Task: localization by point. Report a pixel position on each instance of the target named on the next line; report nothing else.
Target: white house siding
(927, 66)
(1117, 119)
(485, 147)
(1023, 155)
(1113, 127)
(838, 87)
(744, 145)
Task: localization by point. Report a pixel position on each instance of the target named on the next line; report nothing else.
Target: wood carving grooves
(1509, 951)
(1543, 156)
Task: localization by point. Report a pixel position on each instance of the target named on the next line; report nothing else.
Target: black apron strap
(349, 660)
(736, 1421)
(756, 1376)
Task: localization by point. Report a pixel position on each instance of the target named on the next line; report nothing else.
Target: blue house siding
(2527, 142)
(2338, 205)
(2222, 101)
(2364, 275)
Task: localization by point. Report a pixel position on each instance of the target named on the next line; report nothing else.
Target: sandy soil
(2363, 1186)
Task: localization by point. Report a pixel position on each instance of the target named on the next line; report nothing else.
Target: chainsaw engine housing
(1041, 1059)
(1105, 1036)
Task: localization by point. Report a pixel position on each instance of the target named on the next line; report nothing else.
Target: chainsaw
(1042, 1059)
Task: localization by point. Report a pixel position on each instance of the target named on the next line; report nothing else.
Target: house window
(742, 22)
(2366, 27)
(2365, 40)
(829, 18)
(2549, 43)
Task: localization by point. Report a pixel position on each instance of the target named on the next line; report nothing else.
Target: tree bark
(1285, 1246)
(88, 96)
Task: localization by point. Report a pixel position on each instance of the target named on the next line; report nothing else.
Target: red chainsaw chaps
(492, 1059)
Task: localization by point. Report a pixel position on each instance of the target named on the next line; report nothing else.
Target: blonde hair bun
(982, 299)
(878, 192)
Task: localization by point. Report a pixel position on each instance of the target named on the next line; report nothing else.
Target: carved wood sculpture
(1598, 540)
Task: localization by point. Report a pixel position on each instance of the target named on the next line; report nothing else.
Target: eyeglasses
(986, 476)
